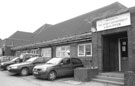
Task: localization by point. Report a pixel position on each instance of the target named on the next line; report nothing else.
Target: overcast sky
(29, 15)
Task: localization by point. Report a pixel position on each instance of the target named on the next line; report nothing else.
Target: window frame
(47, 50)
(59, 51)
(34, 51)
(84, 49)
(25, 51)
(78, 61)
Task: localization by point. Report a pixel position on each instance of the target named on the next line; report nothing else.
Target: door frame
(119, 52)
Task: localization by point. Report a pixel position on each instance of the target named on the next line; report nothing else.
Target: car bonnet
(8, 62)
(44, 66)
(18, 64)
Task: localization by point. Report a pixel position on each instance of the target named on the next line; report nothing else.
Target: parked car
(57, 67)
(26, 67)
(26, 56)
(4, 65)
(6, 58)
(22, 58)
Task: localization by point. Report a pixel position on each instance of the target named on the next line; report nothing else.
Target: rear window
(76, 61)
(40, 59)
(32, 59)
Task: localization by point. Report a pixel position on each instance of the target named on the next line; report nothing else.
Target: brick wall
(73, 53)
(97, 50)
(87, 61)
(131, 43)
(8, 51)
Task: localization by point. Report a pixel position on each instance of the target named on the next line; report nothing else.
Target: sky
(29, 15)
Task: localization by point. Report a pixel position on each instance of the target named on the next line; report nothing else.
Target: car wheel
(52, 75)
(7, 67)
(24, 71)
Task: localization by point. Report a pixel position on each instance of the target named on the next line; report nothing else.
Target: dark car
(57, 67)
(26, 67)
(4, 65)
(22, 58)
(6, 58)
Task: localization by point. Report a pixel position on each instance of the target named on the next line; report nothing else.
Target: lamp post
(93, 29)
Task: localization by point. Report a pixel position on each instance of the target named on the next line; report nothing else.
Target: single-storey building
(17, 39)
(103, 39)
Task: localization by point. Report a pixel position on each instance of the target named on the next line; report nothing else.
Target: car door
(76, 63)
(36, 62)
(65, 67)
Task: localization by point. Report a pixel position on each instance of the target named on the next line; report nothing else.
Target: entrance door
(123, 57)
(110, 54)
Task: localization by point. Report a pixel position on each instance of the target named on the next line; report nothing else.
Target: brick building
(17, 39)
(103, 38)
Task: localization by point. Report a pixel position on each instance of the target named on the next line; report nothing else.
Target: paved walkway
(63, 82)
(71, 81)
(15, 80)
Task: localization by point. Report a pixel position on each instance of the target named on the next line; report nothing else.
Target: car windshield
(32, 59)
(14, 59)
(54, 61)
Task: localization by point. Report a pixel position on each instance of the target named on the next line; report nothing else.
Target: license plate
(8, 68)
(35, 72)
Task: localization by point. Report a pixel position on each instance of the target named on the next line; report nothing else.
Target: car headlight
(2, 63)
(14, 67)
(44, 69)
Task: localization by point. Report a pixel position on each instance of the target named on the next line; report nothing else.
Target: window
(63, 51)
(76, 61)
(25, 51)
(46, 52)
(39, 60)
(34, 51)
(81, 50)
(85, 49)
(18, 53)
(66, 61)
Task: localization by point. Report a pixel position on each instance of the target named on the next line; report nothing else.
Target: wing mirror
(61, 63)
(34, 63)
(16, 61)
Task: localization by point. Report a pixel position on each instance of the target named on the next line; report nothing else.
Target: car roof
(29, 54)
(67, 57)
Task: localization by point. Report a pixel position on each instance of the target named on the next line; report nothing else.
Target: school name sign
(114, 22)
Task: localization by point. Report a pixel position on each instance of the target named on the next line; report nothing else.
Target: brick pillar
(97, 50)
(53, 51)
(39, 51)
(73, 50)
(131, 43)
(129, 78)
(131, 48)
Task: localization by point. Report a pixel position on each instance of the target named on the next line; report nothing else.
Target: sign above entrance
(114, 22)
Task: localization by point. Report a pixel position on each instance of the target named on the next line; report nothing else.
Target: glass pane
(88, 49)
(63, 48)
(75, 61)
(54, 61)
(81, 50)
(63, 51)
(46, 52)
